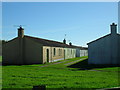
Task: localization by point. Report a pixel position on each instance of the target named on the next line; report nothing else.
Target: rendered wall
(77, 52)
(104, 51)
(118, 49)
(70, 53)
(32, 52)
(83, 53)
(11, 53)
(99, 51)
(119, 17)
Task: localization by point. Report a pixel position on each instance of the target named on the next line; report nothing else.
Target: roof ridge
(99, 38)
(47, 42)
(44, 39)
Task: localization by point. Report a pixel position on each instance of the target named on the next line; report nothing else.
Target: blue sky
(82, 22)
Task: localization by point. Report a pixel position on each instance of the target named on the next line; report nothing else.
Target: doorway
(47, 55)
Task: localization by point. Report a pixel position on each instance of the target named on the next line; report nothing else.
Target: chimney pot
(70, 44)
(64, 41)
(113, 28)
(20, 32)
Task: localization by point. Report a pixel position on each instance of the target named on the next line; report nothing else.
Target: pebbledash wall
(50, 56)
(105, 50)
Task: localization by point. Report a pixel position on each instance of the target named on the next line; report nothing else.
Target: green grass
(59, 76)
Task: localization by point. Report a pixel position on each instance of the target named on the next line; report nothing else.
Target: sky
(82, 22)
(60, 0)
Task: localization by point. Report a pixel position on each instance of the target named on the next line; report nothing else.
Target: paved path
(74, 61)
(54, 63)
(103, 70)
(63, 62)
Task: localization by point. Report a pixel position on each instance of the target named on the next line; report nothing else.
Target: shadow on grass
(83, 65)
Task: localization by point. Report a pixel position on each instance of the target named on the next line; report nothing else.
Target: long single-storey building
(32, 50)
(105, 50)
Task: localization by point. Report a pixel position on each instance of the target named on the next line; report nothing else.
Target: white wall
(104, 50)
(99, 51)
(83, 53)
(70, 53)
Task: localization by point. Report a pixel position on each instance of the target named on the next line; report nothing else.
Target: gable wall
(114, 49)
(99, 52)
(11, 53)
(118, 49)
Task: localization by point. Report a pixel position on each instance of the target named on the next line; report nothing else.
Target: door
(47, 55)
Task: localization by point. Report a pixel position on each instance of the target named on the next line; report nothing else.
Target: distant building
(81, 51)
(105, 50)
(32, 50)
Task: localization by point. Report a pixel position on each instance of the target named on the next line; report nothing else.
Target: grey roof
(46, 42)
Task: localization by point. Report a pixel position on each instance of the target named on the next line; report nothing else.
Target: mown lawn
(59, 76)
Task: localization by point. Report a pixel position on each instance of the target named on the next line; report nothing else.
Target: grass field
(60, 75)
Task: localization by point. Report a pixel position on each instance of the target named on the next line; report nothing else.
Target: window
(54, 51)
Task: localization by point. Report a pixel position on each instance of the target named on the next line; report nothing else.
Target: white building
(105, 50)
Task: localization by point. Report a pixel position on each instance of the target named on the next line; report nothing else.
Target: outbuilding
(33, 50)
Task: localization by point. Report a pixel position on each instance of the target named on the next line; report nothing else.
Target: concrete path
(103, 70)
(74, 61)
(63, 62)
(54, 63)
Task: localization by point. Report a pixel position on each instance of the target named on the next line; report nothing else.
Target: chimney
(20, 32)
(70, 44)
(113, 28)
(64, 41)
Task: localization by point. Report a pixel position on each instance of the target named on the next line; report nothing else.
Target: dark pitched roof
(46, 42)
(98, 39)
(80, 47)
(11, 40)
